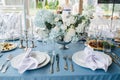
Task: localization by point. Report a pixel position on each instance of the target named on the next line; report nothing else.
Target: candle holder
(33, 44)
(26, 40)
(21, 44)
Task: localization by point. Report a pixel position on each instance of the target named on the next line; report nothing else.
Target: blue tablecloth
(80, 73)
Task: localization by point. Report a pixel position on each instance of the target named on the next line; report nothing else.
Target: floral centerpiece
(45, 20)
(64, 30)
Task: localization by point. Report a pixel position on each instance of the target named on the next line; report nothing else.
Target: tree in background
(51, 4)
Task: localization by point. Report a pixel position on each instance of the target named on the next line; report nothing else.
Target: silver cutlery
(57, 65)
(116, 56)
(5, 66)
(1, 47)
(115, 61)
(113, 58)
(65, 65)
(52, 64)
(71, 64)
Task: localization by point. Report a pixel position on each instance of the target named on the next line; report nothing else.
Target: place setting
(30, 60)
(91, 59)
(97, 54)
(59, 40)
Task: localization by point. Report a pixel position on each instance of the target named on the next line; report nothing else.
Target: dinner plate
(9, 38)
(8, 46)
(79, 58)
(42, 58)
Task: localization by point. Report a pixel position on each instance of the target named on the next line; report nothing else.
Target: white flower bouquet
(53, 25)
(71, 28)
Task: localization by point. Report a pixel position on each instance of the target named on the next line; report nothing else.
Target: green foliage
(46, 2)
(108, 7)
(40, 5)
(48, 25)
(117, 7)
(105, 7)
(80, 19)
(90, 8)
(107, 44)
(53, 5)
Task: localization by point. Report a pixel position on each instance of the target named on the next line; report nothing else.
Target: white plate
(79, 58)
(9, 38)
(42, 57)
(11, 48)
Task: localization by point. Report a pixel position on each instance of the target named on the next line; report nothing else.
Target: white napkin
(27, 62)
(96, 60)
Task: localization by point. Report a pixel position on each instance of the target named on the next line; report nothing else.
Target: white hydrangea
(54, 32)
(69, 35)
(63, 27)
(80, 28)
(43, 16)
(42, 34)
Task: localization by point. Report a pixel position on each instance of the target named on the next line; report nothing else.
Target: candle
(25, 15)
(32, 26)
(20, 26)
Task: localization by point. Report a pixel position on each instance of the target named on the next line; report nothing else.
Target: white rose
(71, 32)
(56, 19)
(69, 35)
(67, 38)
(67, 23)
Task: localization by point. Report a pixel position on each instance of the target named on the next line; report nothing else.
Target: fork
(116, 56)
(1, 47)
(71, 64)
(1, 54)
(5, 66)
(66, 65)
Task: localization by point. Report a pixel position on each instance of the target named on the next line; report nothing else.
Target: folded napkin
(27, 62)
(96, 60)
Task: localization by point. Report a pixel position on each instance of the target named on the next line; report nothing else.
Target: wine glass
(1, 47)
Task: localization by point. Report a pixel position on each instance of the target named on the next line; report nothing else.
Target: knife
(52, 64)
(57, 60)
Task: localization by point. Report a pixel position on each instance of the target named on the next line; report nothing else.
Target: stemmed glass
(98, 34)
(3, 29)
(1, 47)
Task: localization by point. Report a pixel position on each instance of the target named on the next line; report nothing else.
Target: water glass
(107, 45)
